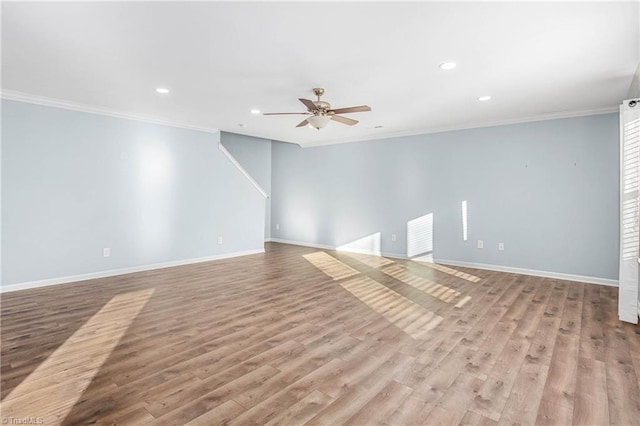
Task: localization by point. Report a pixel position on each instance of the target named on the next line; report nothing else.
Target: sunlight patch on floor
(408, 316)
(52, 389)
(462, 302)
(330, 265)
(434, 289)
(451, 271)
(370, 260)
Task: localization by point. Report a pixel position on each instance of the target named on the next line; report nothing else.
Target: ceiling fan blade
(361, 108)
(344, 120)
(309, 104)
(304, 123)
(285, 113)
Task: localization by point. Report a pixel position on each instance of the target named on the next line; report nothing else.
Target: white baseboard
(303, 244)
(327, 247)
(534, 272)
(489, 267)
(122, 271)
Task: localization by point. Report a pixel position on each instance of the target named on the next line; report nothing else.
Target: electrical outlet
(277, 226)
(480, 244)
(106, 252)
(501, 246)
(393, 237)
(219, 240)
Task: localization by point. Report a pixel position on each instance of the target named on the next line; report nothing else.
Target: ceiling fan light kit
(319, 121)
(320, 112)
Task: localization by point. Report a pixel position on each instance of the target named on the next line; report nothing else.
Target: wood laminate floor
(306, 336)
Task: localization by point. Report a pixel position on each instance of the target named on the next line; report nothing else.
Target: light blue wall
(254, 154)
(548, 190)
(74, 183)
(634, 89)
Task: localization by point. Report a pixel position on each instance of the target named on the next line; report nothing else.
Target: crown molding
(13, 95)
(73, 106)
(519, 120)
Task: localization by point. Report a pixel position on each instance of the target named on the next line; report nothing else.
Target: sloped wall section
(254, 155)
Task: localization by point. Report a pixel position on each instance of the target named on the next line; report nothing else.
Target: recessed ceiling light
(162, 90)
(484, 98)
(447, 66)
(378, 127)
(255, 111)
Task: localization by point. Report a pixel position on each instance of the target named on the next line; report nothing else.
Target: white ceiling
(220, 60)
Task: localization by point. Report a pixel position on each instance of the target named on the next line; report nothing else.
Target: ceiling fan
(320, 112)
